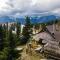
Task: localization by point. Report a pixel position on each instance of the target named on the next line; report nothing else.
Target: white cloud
(56, 12)
(26, 7)
(46, 5)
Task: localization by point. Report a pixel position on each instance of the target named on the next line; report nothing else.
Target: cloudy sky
(29, 7)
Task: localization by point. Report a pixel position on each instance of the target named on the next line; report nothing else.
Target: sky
(29, 7)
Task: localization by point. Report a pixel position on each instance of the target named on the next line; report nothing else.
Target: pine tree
(5, 37)
(8, 44)
(1, 37)
(11, 44)
(18, 33)
(4, 51)
(27, 29)
(13, 54)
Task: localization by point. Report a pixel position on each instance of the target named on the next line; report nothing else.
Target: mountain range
(33, 19)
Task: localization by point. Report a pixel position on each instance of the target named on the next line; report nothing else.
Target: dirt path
(34, 56)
